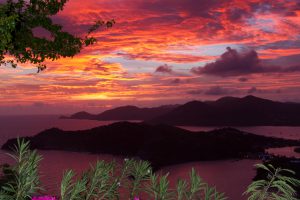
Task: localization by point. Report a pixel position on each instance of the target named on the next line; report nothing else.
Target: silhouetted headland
(227, 111)
(232, 111)
(160, 144)
(124, 113)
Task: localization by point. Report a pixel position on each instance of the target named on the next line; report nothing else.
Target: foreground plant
(159, 189)
(138, 174)
(101, 181)
(277, 185)
(136, 179)
(196, 188)
(19, 43)
(22, 179)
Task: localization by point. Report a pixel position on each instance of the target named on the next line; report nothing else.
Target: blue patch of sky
(285, 44)
(148, 66)
(207, 50)
(267, 25)
(20, 70)
(28, 71)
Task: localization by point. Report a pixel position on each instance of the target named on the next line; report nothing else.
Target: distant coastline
(162, 145)
(227, 111)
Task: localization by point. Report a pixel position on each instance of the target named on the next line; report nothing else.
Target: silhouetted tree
(18, 19)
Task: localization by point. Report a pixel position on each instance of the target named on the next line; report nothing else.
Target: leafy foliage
(70, 189)
(98, 180)
(277, 185)
(19, 18)
(196, 188)
(22, 179)
(94, 183)
(159, 187)
(103, 181)
(138, 173)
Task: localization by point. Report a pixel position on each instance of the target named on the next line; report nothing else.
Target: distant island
(124, 113)
(232, 111)
(227, 111)
(160, 144)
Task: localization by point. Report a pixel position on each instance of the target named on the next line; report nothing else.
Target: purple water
(284, 151)
(231, 177)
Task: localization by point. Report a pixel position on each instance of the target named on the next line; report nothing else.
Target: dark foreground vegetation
(282, 163)
(133, 180)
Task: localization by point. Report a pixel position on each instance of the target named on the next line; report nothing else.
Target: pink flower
(136, 198)
(43, 198)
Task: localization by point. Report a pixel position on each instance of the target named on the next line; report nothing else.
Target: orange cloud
(183, 34)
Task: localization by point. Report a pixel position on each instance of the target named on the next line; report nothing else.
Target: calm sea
(231, 177)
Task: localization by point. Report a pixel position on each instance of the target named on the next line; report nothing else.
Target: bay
(229, 176)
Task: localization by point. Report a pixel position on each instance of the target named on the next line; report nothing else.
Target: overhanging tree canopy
(18, 19)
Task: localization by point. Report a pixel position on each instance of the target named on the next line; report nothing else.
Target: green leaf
(276, 186)
(17, 22)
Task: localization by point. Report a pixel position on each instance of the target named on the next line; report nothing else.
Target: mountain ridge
(233, 111)
(128, 112)
(226, 111)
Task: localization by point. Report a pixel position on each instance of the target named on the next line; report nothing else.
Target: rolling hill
(226, 111)
(232, 111)
(160, 144)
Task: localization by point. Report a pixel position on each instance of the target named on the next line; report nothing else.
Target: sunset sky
(164, 52)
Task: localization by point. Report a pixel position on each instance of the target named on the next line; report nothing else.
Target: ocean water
(229, 176)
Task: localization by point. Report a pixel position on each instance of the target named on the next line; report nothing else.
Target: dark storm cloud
(164, 69)
(234, 63)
